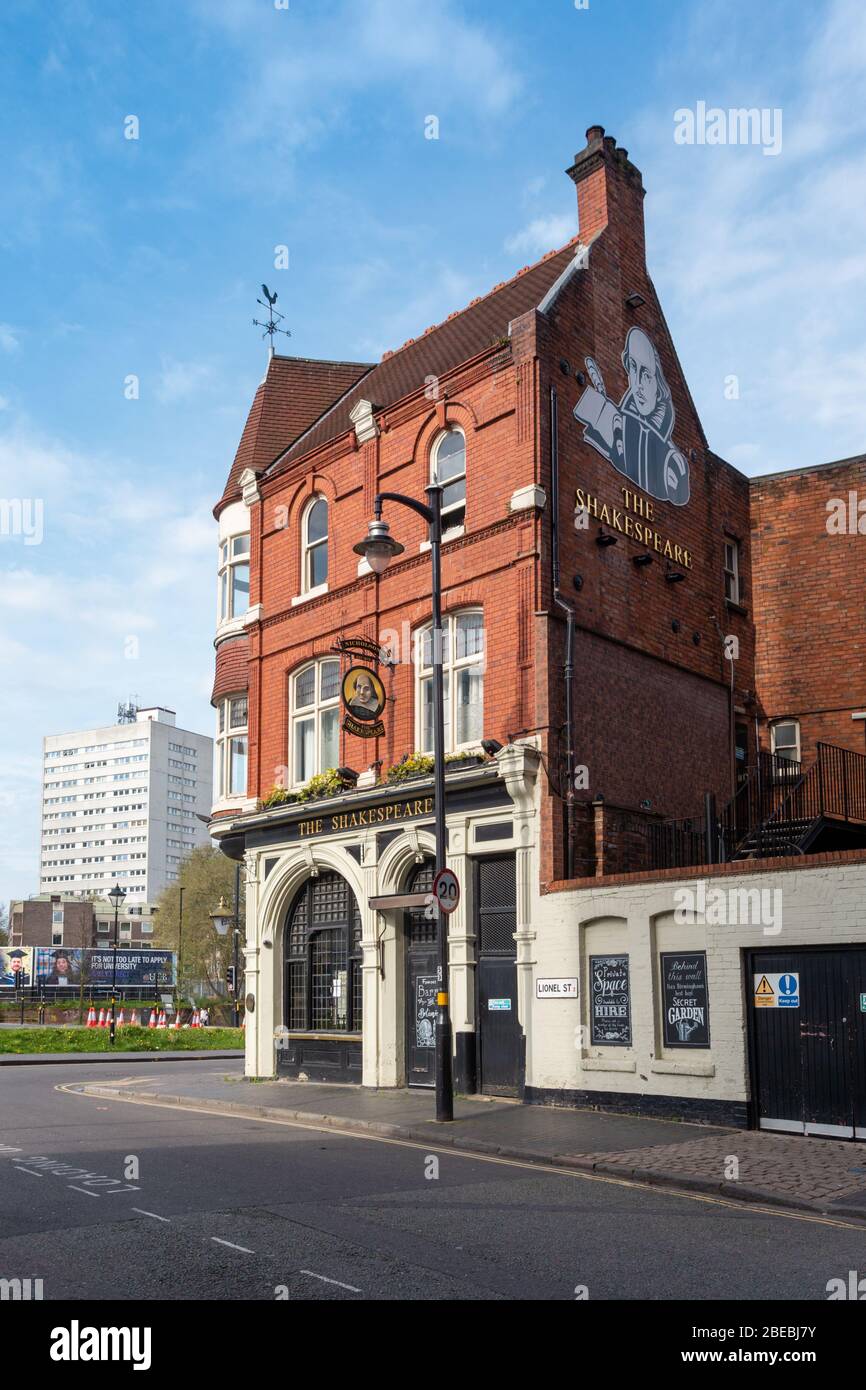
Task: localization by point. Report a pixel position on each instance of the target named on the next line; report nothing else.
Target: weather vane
(274, 319)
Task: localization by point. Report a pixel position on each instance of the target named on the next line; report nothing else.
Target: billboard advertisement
(16, 966)
(72, 967)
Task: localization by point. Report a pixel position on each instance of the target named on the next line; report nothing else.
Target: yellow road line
(706, 1198)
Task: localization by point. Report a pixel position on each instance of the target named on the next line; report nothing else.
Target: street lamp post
(378, 548)
(116, 897)
(225, 921)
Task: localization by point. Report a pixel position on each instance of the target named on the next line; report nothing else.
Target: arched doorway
(421, 980)
(323, 994)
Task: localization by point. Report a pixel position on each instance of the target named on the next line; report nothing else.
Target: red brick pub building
(638, 674)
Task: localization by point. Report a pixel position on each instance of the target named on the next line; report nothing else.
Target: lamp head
(378, 546)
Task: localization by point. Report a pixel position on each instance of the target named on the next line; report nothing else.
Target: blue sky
(304, 126)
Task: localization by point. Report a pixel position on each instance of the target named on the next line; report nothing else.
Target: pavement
(806, 1173)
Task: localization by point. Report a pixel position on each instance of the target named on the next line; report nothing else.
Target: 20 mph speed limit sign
(446, 890)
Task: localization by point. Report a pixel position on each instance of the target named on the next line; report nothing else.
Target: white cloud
(759, 262)
(179, 380)
(545, 233)
(8, 338)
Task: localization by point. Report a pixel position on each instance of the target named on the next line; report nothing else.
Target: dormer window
(448, 468)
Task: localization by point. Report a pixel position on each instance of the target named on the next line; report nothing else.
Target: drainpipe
(732, 753)
(568, 665)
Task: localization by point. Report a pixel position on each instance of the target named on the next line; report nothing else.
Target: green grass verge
(51, 1039)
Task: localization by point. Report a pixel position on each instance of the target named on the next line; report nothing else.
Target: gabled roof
(293, 394)
(438, 351)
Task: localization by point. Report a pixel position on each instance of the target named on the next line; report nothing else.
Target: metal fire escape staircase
(792, 807)
(781, 808)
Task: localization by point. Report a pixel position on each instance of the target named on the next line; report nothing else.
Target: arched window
(315, 545)
(323, 958)
(314, 720)
(463, 674)
(448, 467)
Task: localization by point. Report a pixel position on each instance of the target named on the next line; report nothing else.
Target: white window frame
(228, 563)
(308, 588)
(227, 733)
(732, 571)
(299, 714)
(451, 669)
(774, 727)
(454, 528)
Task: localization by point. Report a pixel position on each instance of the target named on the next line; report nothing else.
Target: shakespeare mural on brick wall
(635, 435)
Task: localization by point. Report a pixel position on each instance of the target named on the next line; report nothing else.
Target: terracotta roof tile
(293, 394)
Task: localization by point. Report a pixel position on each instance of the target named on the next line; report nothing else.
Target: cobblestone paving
(795, 1166)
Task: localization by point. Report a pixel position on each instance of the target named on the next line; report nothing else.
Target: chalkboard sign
(610, 1001)
(425, 1011)
(685, 999)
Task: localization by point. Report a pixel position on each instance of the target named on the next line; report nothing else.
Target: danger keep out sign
(778, 991)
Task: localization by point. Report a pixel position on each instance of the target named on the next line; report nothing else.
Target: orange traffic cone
(121, 1021)
(101, 1023)
(152, 1023)
(133, 1019)
(196, 1019)
(176, 1023)
(91, 1017)
(162, 1022)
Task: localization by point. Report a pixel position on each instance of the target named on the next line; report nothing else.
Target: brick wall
(809, 585)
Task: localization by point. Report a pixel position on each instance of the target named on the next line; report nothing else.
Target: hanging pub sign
(610, 993)
(362, 690)
(364, 647)
(685, 999)
(364, 701)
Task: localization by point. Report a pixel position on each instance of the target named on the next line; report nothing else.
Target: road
(234, 1208)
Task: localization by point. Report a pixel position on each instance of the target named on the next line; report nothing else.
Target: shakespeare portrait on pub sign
(363, 694)
(635, 435)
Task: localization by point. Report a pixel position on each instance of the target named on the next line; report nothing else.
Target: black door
(421, 962)
(809, 1040)
(500, 1037)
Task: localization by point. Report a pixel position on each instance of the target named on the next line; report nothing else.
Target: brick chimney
(610, 193)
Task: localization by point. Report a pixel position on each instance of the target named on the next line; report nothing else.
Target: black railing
(774, 809)
(757, 799)
(677, 844)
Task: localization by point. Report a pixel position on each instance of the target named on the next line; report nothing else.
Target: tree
(206, 876)
(4, 925)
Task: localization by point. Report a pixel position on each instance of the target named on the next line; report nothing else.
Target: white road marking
(86, 1192)
(32, 1171)
(350, 1287)
(242, 1248)
(142, 1212)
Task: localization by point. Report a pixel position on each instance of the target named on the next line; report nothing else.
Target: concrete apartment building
(122, 804)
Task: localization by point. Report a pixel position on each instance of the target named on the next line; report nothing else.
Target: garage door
(808, 1040)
